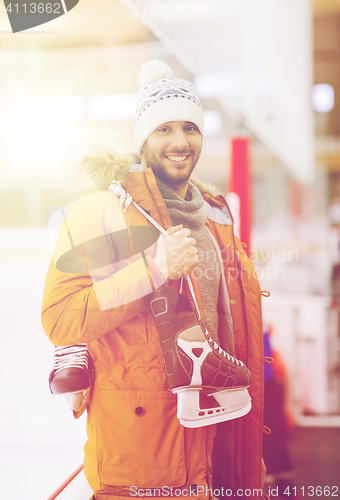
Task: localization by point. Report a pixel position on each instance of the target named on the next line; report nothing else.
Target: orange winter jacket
(101, 270)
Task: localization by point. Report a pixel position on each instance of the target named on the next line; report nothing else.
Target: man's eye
(163, 129)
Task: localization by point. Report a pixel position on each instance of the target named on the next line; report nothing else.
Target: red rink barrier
(240, 183)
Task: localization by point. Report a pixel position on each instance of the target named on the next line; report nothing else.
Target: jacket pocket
(140, 440)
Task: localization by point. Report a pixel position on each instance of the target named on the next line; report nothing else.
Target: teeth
(177, 158)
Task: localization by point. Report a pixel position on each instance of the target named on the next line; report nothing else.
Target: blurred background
(268, 75)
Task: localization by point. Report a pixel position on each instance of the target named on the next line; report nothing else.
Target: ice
(41, 443)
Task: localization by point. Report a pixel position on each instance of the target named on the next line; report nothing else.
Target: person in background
(280, 471)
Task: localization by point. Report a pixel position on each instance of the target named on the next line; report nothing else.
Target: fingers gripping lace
(126, 199)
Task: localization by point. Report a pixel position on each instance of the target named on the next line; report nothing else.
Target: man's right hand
(176, 254)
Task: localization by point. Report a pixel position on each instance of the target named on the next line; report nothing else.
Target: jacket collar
(142, 186)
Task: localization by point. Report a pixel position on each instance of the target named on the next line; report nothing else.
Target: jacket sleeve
(94, 283)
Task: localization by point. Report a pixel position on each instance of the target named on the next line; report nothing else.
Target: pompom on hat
(163, 98)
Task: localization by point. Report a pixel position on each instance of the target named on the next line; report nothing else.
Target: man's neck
(179, 189)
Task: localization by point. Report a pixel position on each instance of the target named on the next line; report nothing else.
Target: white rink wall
(301, 327)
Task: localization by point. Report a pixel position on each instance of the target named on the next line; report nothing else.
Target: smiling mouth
(177, 158)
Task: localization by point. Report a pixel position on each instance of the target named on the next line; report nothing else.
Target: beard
(167, 171)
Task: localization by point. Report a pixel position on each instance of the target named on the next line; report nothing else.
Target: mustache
(179, 152)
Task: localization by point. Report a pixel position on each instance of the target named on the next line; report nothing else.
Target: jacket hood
(102, 165)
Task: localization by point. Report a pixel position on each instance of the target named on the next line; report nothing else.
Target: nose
(179, 139)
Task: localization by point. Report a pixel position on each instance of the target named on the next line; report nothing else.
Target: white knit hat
(163, 98)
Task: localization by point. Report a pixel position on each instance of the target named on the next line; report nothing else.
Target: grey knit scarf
(189, 213)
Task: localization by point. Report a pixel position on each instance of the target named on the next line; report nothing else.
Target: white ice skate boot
(211, 385)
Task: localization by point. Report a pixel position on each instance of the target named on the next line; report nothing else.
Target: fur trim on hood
(102, 165)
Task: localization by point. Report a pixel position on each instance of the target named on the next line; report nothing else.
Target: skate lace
(126, 199)
(73, 356)
(224, 353)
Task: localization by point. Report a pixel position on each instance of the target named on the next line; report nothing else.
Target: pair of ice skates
(211, 385)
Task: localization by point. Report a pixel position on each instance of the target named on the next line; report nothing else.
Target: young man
(108, 259)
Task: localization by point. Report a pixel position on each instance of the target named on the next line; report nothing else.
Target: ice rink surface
(41, 443)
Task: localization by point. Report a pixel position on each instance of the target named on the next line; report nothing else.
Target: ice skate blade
(215, 419)
(230, 404)
(75, 400)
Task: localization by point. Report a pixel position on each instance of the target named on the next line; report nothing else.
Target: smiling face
(172, 151)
